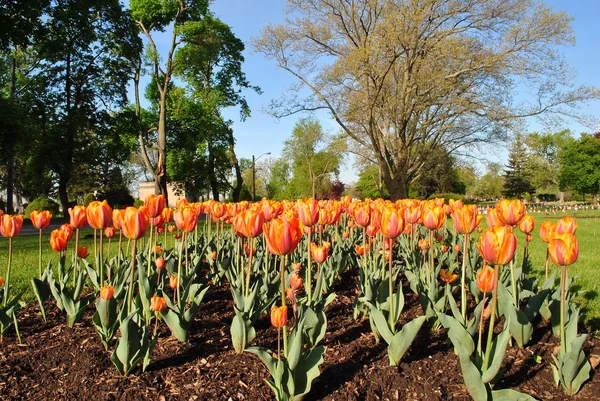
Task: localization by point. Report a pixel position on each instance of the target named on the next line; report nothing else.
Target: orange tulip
(485, 279)
(118, 218)
(82, 252)
(434, 217)
(78, 216)
(107, 292)
(213, 255)
(345, 234)
(10, 226)
(110, 232)
(59, 240)
(492, 218)
(566, 225)
(563, 249)
(249, 223)
(185, 218)
(308, 211)
(41, 219)
(154, 204)
(447, 276)
(319, 253)
(392, 222)
(372, 230)
(466, 218)
(68, 230)
(218, 210)
(271, 209)
(135, 223)
(444, 248)
(157, 303)
(279, 316)
(167, 214)
(361, 249)
(173, 281)
(282, 235)
(160, 263)
(456, 248)
(296, 267)
(412, 211)
(527, 224)
(361, 213)
(424, 244)
(547, 230)
(510, 212)
(295, 281)
(497, 245)
(99, 215)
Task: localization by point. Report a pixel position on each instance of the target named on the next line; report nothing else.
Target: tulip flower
(117, 217)
(345, 235)
(547, 231)
(155, 204)
(59, 240)
(466, 218)
(434, 218)
(249, 223)
(110, 232)
(82, 252)
(361, 249)
(527, 224)
(492, 218)
(318, 253)
(295, 281)
(279, 316)
(444, 248)
(282, 235)
(78, 216)
(157, 303)
(160, 263)
(447, 276)
(424, 244)
(173, 281)
(485, 279)
(135, 223)
(185, 218)
(563, 249)
(497, 245)
(99, 215)
(566, 225)
(40, 219)
(107, 292)
(10, 226)
(510, 212)
(361, 213)
(371, 230)
(392, 222)
(308, 211)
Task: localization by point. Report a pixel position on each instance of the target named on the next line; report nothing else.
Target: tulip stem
(391, 285)
(514, 283)
(120, 248)
(101, 261)
(563, 279)
(179, 268)
(308, 272)
(488, 347)
(249, 267)
(150, 247)
(76, 269)
(283, 302)
(463, 289)
(279, 343)
(7, 282)
(132, 268)
(481, 323)
(547, 261)
(40, 255)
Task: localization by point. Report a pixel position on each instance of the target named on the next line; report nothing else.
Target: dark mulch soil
(60, 363)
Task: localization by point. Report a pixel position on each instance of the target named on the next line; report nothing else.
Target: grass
(586, 269)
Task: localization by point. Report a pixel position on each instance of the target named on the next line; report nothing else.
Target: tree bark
(237, 190)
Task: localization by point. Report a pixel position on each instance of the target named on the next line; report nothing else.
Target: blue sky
(262, 133)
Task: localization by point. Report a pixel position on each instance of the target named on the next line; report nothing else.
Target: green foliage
(438, 174)
(448, 196)
(517, 178)
(40, 204)
(489, 186)
(580, 165)
(544, 160)
(369, 184)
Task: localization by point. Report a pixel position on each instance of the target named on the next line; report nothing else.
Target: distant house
(147, 188)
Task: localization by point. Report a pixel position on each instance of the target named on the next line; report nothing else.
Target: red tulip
(82, 252)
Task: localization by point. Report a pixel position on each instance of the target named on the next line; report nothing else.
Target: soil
(55, 362)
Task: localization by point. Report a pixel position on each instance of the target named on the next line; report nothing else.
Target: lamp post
(254, 174)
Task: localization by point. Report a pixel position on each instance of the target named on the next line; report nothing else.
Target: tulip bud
(107, 292)
(444, 248)
(110, 232)
(456, 248)
(213, 255)
(296, 267)
(424, 244)
(345, 234)
(160, 263)
(279, 316)
(295, 281)
(157, 303)
(485, 279)
(82, 252)
(173, 281)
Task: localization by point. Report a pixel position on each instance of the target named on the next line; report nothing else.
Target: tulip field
(307, 299)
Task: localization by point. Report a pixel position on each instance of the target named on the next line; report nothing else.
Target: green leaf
(498, 350)
(510, 395)
(173, 320)
(307, 371)
(380, 322)
(266, 357)
(403, 340)
(239, 335)
(472, 379)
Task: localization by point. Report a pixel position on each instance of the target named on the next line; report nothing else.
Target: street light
(254, 174)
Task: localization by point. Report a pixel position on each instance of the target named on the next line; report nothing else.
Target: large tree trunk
(160, 174)
(236, 165)
(396, 184)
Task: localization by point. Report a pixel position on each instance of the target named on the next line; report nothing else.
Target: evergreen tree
(517, 180)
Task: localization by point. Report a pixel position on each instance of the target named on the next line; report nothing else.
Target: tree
(369, 183)
(517, 180)
(403, 77)
(277, 186)
(489, 186)
(315, 159)
(544, 162)
(152, 16)
(580, 165)
(438, 175)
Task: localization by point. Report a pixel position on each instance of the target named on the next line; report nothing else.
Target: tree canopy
(402, 77)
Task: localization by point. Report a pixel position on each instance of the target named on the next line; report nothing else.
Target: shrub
(138, 203)
(40, 204)
(448, 196)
